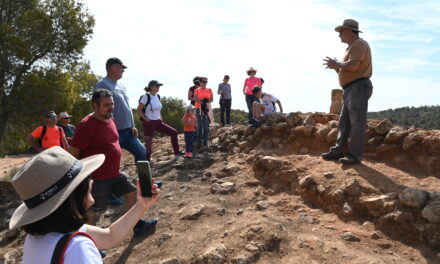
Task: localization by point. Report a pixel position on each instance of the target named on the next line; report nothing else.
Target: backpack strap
(43, 133)
(61, 138)
(61, 247)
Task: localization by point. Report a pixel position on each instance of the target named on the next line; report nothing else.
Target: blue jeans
(202, 128)
(250, 99)
(132, 144)
(189, 140)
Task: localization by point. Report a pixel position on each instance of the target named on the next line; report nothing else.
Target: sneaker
(332, 156)
(190, 155)
(144, 226)
(113, 200)
(102, 252)
(186, 155)
(178, 155)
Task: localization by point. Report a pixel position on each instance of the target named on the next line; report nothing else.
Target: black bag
(148, 102)
(43, 133)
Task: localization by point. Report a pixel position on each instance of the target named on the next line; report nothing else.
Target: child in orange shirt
(189, 128)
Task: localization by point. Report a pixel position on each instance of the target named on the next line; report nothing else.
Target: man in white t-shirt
(265, 106)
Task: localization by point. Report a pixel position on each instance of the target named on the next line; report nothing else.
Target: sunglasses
(252, 72)
(204, 81)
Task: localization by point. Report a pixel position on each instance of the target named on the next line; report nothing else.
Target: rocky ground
(273, 203)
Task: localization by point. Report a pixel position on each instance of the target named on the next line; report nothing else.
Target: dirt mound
(264, 196)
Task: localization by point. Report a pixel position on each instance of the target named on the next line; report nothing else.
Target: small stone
(348, 236)
(221, 211)
(11, 234)
(193, 213)
(351, 187)
(385, 245)
(262, 205)
(164, 237)
(347, 210)
(239, 211)
(377, 235)
(306, 182)
(251, 248)
(229, 223)
(329, 175)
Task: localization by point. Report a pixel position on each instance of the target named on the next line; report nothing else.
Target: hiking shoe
(115, 200)
(190, 155)
(144, 226)
(332, 156)
(186, 155)
(178, 155)
(102, 252)
(349, 160)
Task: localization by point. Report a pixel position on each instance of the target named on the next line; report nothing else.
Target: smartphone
(145, 177)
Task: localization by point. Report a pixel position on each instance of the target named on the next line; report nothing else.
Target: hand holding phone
(145, 177)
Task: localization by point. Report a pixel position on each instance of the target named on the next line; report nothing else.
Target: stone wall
(314, 133)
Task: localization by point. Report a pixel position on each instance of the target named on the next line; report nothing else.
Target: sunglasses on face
(204, 81)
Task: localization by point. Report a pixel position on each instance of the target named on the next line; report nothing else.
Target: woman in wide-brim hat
(249, 84)
(56, 191)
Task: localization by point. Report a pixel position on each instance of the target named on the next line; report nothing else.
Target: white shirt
(39, 249)
(152, 110)
(268, 101)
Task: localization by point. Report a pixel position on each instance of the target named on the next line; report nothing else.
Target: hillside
(427, 117)
(265, 196)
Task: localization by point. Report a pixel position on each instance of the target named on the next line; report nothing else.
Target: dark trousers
(202, 128)
(250, 99)
(353, 119)
(189, 140)
(225, 106)
(157, 125)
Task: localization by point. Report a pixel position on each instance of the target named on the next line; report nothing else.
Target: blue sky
(174, 40)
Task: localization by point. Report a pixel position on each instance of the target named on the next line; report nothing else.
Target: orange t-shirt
(191, 127)
(202, 94)
(51, 138)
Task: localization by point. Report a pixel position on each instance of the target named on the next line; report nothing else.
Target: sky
(285, 40)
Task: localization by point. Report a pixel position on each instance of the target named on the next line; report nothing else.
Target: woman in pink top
(249, 84)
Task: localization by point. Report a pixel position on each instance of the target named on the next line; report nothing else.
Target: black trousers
(225, 106)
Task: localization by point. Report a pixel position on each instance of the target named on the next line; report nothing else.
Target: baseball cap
(154, 83)
(64, 115)
(51, 114)
(114, 61)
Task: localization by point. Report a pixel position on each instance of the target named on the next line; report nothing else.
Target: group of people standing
(56, 187)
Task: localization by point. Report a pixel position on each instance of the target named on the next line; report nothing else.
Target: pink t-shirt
(250, 83)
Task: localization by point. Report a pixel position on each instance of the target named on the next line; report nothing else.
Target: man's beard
(109, 115)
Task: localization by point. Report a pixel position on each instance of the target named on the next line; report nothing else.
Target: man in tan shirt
(354, 74)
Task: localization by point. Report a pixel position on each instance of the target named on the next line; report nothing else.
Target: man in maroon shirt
(97, 133)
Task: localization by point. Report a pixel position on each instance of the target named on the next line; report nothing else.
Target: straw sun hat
(46, 181)
(251, 69)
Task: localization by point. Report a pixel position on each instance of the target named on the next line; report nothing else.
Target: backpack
(61, 246)
(43, 133)
(147, 103)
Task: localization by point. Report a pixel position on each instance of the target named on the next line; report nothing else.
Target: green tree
(173, 110)
(41, 45)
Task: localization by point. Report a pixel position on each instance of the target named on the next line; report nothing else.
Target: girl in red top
(249, 84)
(189, 128)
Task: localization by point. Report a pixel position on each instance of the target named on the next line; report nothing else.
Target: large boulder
(395, 135)
(380, 205)
(413, 197)
(431, 212)
(412, 139)
(293, 119)
(384, 127)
